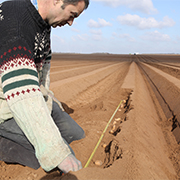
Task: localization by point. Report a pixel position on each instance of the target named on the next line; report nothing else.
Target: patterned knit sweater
(24, 67)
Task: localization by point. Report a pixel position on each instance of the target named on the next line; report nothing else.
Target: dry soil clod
(98, 162)
(104, 145)
(117, 119)
(114, 122)
(114, 127)
(111, 131)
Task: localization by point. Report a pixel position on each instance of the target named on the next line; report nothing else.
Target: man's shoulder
(16, 21)
(12, 13)
(14, 8)
(17, 13)
(15, 3)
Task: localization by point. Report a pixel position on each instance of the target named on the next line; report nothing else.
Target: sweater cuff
(33, 117)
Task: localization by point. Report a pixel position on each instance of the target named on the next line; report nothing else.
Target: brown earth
(142, 140)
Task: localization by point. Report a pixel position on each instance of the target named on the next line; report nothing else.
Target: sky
(122, 27)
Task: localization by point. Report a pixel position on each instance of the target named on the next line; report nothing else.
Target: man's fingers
(76, 165)
(70, 163)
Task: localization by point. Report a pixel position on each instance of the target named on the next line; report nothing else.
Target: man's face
(60, 17)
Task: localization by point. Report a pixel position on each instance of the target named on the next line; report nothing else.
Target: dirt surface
(142, 139)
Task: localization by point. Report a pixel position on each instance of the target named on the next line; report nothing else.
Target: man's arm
(45, 83)
(21, 89)
(45, 76)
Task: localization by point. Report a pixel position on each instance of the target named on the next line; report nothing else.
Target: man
(29, 118)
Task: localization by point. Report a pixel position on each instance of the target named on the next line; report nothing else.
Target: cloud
(144, 6)
(125, 36)
(75, 30)
(57, 43)
(99, 24)
(83, 37)
(96, 34)
(156, 36)
(145, 23)
(56, 38)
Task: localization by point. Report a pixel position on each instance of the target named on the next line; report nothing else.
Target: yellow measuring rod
(89, 160)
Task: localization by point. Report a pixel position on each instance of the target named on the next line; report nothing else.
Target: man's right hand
(70, 163)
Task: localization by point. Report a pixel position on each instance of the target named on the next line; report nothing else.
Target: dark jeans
(13, 136)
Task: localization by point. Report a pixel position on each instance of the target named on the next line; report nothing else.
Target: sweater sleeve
(45, 76)
(20, 85)
(45, 83)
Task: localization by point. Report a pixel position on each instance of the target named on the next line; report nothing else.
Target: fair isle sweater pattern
(14, 71)
(24, 66)
(19, 70)
(32, 62)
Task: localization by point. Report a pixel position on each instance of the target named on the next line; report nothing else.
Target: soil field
(142, 140)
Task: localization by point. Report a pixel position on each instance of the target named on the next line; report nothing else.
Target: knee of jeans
(84, 135)
(75, 137)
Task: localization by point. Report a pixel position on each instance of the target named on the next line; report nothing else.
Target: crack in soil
(173, 118)
(112, 150)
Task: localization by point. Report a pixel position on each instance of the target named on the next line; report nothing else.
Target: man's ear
(56, 1)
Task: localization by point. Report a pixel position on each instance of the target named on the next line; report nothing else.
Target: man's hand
(70, 163)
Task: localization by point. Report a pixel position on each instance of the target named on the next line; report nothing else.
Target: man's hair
(74, 2)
